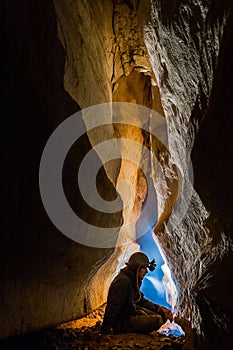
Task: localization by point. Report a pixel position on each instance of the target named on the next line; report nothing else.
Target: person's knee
(143, 324)
(158, 321)
(151, 323)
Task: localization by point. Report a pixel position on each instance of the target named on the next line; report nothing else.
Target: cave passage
(158, 286)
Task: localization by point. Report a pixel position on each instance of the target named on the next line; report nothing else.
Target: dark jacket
(123, 299)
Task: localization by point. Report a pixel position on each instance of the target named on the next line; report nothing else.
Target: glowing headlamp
(152, 265)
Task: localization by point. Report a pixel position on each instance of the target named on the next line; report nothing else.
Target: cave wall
(189, 46)
(44, 275)
(122, 73)
(212, 170)
(60, 57)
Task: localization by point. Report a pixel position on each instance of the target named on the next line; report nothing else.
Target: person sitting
(127, 309)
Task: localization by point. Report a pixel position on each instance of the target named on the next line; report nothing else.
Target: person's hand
(165, 313)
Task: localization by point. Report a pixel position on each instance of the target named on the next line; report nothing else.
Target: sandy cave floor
(84, 334)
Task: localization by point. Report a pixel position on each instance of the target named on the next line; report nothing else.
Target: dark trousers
(145, 322)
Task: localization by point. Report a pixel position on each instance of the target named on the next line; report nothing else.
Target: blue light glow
(152, 285)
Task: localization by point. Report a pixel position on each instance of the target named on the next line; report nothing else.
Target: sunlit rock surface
(131, 79)
(169, 56)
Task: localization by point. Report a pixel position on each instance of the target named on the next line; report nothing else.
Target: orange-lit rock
(169, 56)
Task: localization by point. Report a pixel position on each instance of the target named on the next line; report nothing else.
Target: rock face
(45, 274)
(171, 57)
(188, 45)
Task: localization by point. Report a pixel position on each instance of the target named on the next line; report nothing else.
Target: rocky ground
(84, 334)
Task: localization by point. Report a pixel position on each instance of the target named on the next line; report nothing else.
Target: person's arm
(117, 296)
(147, 303)
(165, 313)
(161, 310)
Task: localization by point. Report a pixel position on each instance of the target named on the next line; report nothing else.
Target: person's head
(142, 272)
(140, 263)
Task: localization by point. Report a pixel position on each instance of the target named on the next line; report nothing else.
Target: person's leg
(143, 311)
(143, 323)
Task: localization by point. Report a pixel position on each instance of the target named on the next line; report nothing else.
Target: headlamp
(152, 265)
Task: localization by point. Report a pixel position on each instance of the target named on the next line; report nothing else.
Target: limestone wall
(172, 57)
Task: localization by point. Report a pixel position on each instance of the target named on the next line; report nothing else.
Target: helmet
(140, 259)
(137, 259)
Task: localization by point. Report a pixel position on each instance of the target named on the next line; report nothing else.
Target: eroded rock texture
(188, 45)
(173, 57)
